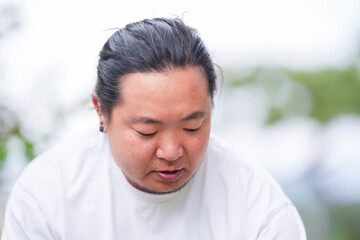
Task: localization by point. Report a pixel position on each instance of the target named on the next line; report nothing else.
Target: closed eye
(192, 129)
(146, 134)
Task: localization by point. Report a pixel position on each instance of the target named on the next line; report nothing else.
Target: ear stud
(101, 127)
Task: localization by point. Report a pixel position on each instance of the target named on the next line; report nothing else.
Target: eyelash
(191, 130)
(147, 134)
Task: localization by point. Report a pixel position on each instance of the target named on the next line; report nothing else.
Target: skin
(159, 133)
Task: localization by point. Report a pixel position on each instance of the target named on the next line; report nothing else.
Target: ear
(98, 108)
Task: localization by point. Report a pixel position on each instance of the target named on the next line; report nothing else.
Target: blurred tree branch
(9, 121)
(9, 19)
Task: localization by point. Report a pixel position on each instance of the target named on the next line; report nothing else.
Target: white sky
(300, 33)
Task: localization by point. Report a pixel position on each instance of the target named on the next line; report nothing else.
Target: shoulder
(227, 158)
(244, 179)
(48, 179)
(243, 184)
(64, 159)
(55, 177)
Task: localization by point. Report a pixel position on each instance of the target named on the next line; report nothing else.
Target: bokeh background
(289, 96)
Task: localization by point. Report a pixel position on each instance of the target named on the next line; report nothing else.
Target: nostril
(169, 154)
(172, 157)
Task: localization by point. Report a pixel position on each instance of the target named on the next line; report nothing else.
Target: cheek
(198, 145)
(133, 155)
(123, 148)
(129, 146)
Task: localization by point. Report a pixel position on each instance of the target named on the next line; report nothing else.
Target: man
(152, 171)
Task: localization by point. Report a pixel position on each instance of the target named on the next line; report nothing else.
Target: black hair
(151, 45)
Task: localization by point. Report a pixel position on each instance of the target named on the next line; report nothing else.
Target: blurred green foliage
(10, 127)
(345, 223)
(331, 221)
(3, 154)
(332, 92)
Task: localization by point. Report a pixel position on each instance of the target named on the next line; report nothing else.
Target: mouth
(169, 176)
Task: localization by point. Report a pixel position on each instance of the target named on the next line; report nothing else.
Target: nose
(170, 149)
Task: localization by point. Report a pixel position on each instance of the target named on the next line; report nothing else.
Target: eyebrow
(194, 115)
(144, 120)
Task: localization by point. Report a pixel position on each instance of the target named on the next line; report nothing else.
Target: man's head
(151, 45)
(154, 94)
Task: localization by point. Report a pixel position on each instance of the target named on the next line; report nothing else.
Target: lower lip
(169, 176)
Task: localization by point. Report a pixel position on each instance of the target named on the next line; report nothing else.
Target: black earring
(101, 127)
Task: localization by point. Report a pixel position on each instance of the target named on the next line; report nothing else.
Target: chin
(165, 190)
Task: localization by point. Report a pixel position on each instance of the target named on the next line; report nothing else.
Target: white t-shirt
(76, 191)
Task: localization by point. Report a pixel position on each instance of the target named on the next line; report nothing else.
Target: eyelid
(146, 134)
(192, 129)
